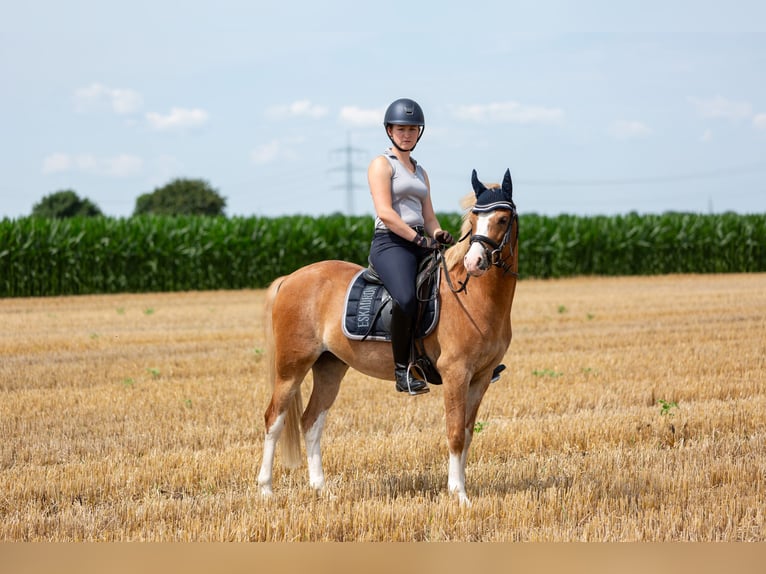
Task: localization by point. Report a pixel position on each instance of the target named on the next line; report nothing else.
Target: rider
(406, 230)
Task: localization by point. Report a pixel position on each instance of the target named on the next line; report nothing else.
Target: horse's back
(321, 274)
(312, 295)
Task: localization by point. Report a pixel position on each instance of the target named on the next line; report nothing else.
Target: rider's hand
(444, 237)
(426, 242)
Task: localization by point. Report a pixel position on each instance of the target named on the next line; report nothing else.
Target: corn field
(40, 257)
(633, 244)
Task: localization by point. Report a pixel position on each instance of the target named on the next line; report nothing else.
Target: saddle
(367, 310)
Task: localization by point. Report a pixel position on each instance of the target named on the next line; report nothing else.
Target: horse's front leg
(460, 431)
(457, 461)
(458, 437)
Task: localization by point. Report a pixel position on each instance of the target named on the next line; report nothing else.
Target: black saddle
(367, 311)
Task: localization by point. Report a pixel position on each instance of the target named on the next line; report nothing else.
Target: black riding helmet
(404, 112)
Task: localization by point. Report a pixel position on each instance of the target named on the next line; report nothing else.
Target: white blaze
(475, 260)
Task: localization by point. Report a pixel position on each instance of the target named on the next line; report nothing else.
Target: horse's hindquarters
(307, 319)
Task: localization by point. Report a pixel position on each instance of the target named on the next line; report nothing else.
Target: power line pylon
(349, 168)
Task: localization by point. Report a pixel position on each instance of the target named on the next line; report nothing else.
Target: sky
(596, 107)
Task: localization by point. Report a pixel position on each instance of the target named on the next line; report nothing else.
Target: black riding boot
(401, 344)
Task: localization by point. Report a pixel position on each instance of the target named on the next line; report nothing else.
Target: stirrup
(496, 373)
(413, 386)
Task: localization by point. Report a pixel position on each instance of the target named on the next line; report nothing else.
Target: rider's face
(405, 136)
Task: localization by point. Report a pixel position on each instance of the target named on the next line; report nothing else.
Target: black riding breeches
(396, 261)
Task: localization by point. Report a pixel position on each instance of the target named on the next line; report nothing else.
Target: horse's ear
(507, 183)
(478, 186)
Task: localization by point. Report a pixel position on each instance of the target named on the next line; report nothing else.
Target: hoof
(317, 486)
(496, 373)
(266, 491)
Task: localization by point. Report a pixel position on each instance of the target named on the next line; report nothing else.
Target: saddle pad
(367, 312)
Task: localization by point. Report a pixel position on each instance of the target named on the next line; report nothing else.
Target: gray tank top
(408, 191)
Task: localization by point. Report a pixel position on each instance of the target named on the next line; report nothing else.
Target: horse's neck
(490, 295)
(498, 287)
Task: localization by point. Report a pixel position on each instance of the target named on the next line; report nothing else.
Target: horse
(303, 313)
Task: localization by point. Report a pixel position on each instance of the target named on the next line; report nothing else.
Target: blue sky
(596, 107)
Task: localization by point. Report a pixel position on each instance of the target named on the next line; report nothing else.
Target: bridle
(493, 250)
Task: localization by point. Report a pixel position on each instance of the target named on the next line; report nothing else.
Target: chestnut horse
(303, 322)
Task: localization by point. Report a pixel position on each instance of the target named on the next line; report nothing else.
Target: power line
(670, 178)
(639, 180)
(349, 168)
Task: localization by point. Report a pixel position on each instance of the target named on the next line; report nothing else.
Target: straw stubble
(631, 409)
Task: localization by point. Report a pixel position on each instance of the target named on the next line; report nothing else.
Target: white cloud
(707, 136)
(98, 96)
(265, 153)
(759, 121)
(361, 117)
(126, 101)
(57, 162)
(178, 118)
(627, 129)
(123, 165)
(720, 107)
(511, 112)
(276, 150)
(301, 108)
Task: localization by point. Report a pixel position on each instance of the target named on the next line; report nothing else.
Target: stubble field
(632, 409)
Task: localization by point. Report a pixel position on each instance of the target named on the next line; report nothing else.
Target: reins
(463, 284)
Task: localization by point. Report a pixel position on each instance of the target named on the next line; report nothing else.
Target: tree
(63, 204)
(181, 197)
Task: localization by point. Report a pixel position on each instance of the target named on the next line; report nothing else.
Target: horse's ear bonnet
(491, 198)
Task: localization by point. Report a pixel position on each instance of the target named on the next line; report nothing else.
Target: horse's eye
(503, 220)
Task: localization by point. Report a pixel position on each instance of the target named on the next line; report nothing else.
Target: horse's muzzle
(476, 261)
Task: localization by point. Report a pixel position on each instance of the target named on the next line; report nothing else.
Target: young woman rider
(406, 229)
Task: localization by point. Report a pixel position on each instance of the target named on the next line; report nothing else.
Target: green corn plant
(42, 257)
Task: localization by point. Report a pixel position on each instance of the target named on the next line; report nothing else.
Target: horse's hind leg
(328, 372)
(282, 416)
(285, 400)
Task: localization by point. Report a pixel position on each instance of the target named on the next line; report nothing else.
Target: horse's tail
(291, 434)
